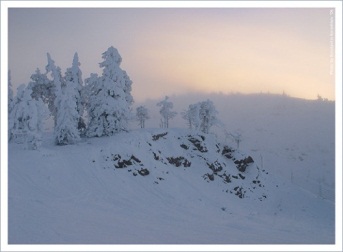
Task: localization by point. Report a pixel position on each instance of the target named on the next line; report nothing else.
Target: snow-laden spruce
(69, 106)
(10, 99)
(109, 106)
(10, 93)
(128, 89)
(57, 81)
(89, 90)
(26, 118)
(43, 88)
(166, 111)
(73, 77)
(201, 116)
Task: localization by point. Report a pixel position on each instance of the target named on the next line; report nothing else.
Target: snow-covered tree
(142, 115)
(10, 93)
(166, 111)
(57, 81)
(128, 89)
(207, 115)
(191, 115)
(109, 107)
(89, 90)
(26, 118)
(73, 77)
(201, 116)
(237, 137)
(67, 116)
(43, 88)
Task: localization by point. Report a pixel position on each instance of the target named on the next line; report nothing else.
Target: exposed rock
(178, 161)
(239, 192)
(196, 150)
(208, 177)
(158, 136)
(243, 163)
(227, 152)
(197, 144)
(215, 167)
(156, 157)
(123, 163)
(184, 146)
(144, 172)
(135, 159)
(226, 178)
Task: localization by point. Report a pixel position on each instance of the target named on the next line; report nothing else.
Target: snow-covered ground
(293, 137)
(75, 195)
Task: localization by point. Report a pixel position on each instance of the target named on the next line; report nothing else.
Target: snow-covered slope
(294, 138)
(157, 186)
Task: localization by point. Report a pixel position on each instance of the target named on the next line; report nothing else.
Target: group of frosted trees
(166, 113)
(104, 100)
(99, 107)
(199, 116)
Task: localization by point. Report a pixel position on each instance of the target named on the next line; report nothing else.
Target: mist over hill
(177, 186)
(293, 137)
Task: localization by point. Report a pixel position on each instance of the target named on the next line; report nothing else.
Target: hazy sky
(173, 51)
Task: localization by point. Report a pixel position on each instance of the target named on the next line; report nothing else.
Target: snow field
(71, 194)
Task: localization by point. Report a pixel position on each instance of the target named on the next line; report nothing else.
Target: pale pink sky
(175, 51)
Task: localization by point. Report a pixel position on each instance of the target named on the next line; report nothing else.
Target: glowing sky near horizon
(176, 51)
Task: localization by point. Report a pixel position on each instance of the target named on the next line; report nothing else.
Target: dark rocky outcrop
(144, 172)
(243, 163)
(124, 163)
(215, 167)
(227, 152)
(158, 136)
(197, 143)
(178, 161)
(183, 150)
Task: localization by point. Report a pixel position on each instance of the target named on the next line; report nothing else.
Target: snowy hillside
(157, 186)
(251, 169)
(292, 137)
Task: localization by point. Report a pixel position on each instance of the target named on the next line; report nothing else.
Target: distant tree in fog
(201, 116)
(191, 115)
(166, 111)
(142, 115)
(208, 115)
